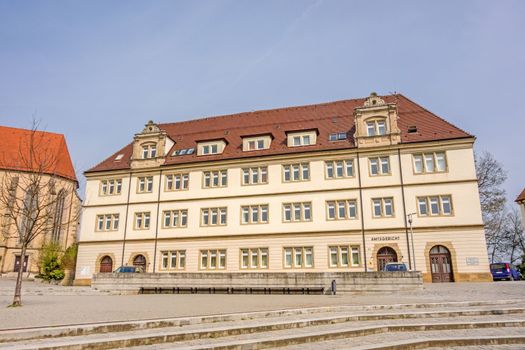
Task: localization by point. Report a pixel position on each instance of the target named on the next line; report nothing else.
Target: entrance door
(18, 260)
(140, 261)
(106, 264)
(441, 264)
(385, 255)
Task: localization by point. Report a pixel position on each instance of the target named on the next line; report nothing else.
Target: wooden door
(18, 260)
(385, 255)
(106, 264)
(441, 265)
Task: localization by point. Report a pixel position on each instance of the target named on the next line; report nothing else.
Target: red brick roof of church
(50, 152)
(521, 197)
(331, 117)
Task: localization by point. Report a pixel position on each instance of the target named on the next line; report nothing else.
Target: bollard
(334, 287)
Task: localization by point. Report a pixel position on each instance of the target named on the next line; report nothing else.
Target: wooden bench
(231, 290)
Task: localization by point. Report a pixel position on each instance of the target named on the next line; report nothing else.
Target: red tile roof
(521, 197)
(327, 118)
(51, 153)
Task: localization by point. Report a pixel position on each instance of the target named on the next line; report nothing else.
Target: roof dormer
(376, 123)
(210, 147)
(301, 138)
(150, 147)
(256, 142)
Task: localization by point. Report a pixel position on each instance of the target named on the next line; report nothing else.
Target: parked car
(128, 269)
(395, 267)
(504, 271)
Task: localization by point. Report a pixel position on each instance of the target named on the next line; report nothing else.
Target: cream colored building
(521, 202)
(57, 195)
(325, 187)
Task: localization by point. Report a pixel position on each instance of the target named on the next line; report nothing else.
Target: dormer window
(256, 143)
(303, 138)
(149, 151)
(210, 147)
(376, 127)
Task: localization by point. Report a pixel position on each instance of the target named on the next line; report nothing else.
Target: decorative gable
(150, 147)
(376, 123)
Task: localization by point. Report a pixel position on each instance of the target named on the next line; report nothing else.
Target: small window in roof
(183, 152)
(337, 136)
(190, 151)
(412, 129)
(119, 156)
(175, 153)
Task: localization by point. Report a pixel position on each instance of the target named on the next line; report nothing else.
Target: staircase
(498, 325)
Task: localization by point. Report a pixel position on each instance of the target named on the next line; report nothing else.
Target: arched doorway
(106, 264)
(385, 255)
(140, 261)
(441, 264)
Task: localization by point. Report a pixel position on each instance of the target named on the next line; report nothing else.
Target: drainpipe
(404, 208)
(126, 221)
(157, 224)
(361, 210)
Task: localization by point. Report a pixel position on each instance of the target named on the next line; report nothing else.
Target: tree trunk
(17, 300)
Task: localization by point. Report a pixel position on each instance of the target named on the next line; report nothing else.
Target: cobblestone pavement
(56, 305)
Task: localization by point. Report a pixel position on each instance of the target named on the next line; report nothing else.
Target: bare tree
(31, 193)
(514, 236)
(491, 176)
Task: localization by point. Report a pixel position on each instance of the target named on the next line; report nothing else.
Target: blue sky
(98, 70)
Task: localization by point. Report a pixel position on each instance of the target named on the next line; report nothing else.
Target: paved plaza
(46, 304)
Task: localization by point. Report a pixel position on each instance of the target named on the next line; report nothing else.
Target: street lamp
(412, 238)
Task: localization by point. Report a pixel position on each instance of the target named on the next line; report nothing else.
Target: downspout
(126, 221)
(404, 207)
(157, 224)
(361, 210)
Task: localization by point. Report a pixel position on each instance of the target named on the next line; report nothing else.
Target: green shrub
(50, 262)
(69, 259)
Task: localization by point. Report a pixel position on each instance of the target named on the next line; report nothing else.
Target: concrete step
(263, 335)
(323, 315)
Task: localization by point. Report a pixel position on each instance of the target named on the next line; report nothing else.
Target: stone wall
(347, 282)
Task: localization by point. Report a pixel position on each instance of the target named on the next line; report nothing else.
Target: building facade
(327, 187)
(521, 202)
(36, 160)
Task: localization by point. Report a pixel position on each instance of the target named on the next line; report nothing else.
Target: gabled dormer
(150, 147)
(376, 123)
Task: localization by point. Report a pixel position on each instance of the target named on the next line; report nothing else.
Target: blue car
(504, 271)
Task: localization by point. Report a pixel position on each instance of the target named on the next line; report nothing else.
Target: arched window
(140, 261)
(149, 150)
(385, 255)
(106, 264)
(376, 127)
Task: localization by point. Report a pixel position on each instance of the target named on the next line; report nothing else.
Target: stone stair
(402, 326)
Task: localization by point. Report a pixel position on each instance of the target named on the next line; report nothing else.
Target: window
(107, 222)
(175, 218)
(177, 182)
(210, 147)
(298, 257)
(430, 163)
(173, 260)
(142, 220)
(213, 216)
(341, 209)
(213, 259)
(376, 127)
(254, 176)
(149, 151)
(336, 169)
(343, 256)
(337, 136)
(110, 187)
(254, 214)
(435, 205)
(296, 172)
(217, 178)
(383, 207)
(256, 143)
(304, 138)
(297, 212)
(145, 184)
(254, 258)
(379, 166)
